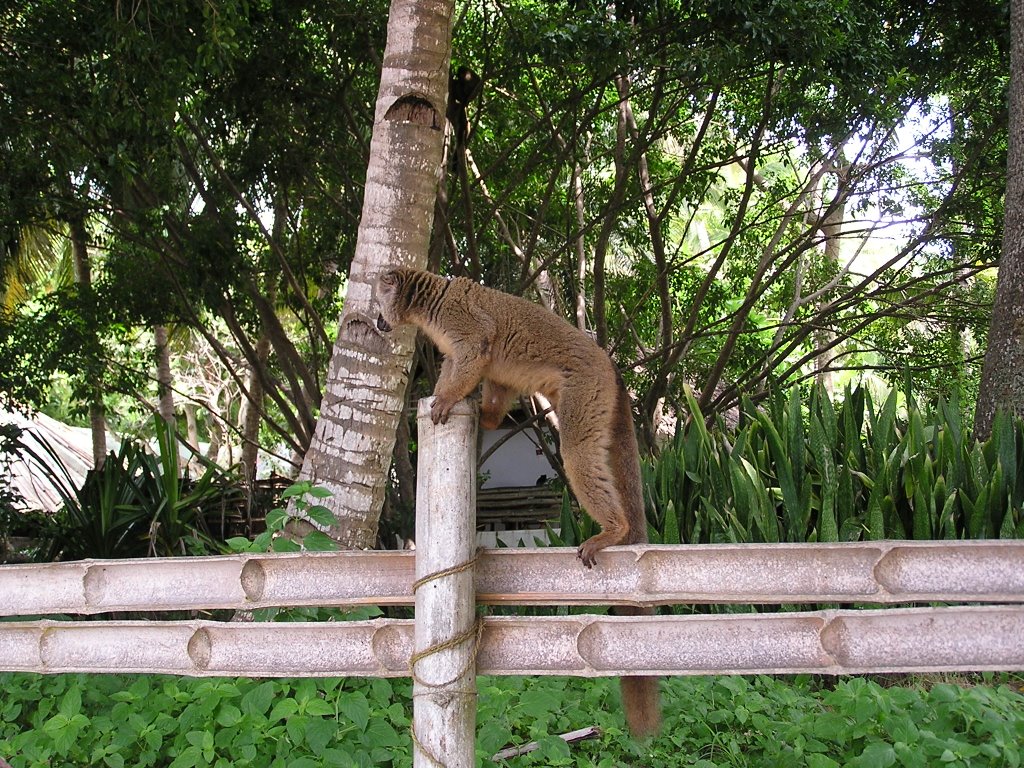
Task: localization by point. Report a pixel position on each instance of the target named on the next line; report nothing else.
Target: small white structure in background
(72, 446)
(519, 462)
(514, 472)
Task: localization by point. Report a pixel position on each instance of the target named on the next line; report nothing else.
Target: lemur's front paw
(440, 409)
(586, 555)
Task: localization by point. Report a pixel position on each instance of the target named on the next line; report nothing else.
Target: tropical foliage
(136, 504)
(847, 471)
(740, 195)
(301, 507)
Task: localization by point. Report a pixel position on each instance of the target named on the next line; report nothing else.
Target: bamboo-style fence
(446, 577)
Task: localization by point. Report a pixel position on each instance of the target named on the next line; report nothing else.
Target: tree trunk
(368, 374)
(191, 428)
(831, 228)
(250, 413)
(1002, 375)
(165, 395)
(83, 279)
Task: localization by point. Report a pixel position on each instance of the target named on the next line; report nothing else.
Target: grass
(73, 720)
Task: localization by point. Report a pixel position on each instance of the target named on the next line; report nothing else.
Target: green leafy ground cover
(79, 720)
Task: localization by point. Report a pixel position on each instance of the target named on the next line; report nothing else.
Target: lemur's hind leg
(591, 470)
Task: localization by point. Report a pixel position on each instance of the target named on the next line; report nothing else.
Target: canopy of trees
(739, 196)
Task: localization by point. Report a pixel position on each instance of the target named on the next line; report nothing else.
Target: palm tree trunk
(354, 436)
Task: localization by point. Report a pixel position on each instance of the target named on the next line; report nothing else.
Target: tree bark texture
(164, 382)
(1002, 375)
(365, 389)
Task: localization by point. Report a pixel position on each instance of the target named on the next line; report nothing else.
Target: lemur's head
(393, 293)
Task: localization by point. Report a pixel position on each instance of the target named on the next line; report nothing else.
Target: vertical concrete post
(444, 660)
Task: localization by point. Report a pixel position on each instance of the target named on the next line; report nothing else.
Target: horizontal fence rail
(875, 572)
(962, 638)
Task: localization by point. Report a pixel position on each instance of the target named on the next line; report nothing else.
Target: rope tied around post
(474, 632)
(448, 571)
(448, 629)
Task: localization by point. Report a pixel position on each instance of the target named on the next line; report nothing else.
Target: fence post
(444, 660)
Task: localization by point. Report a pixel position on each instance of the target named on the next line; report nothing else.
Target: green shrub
(136, 504)
(298, 504)
(10, 500)
(114, 720)
(846, 472)
(147, 720)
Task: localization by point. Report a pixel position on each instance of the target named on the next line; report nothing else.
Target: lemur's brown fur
(517, 347)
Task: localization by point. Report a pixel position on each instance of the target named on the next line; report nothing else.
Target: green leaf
(742, 492)
(300, 488)
(319, 492)
(318, 541)
(829, 420)
(923, 514)
(844, 498)
(257, 701)
(1005, 440)
(202, 741)
(671, 534)
(284, 709)
(653, 535)
(191, 757)
(821, 450)
(795, 437)
(883, 436)
(766, 518)
(877, 755)
(792, 513)
(910, 756)
(239, 544)
(540, 700)
(282, 544)
(696, 418)
(380, 732)
(319, 733)
(71, 703)
(569, 532)
(821, 761)
(276, 519)
(552, 750)
(229, 715)
(356, 708)
(318, 706)
(321, 515)
(1007, 530)
(947, 518)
